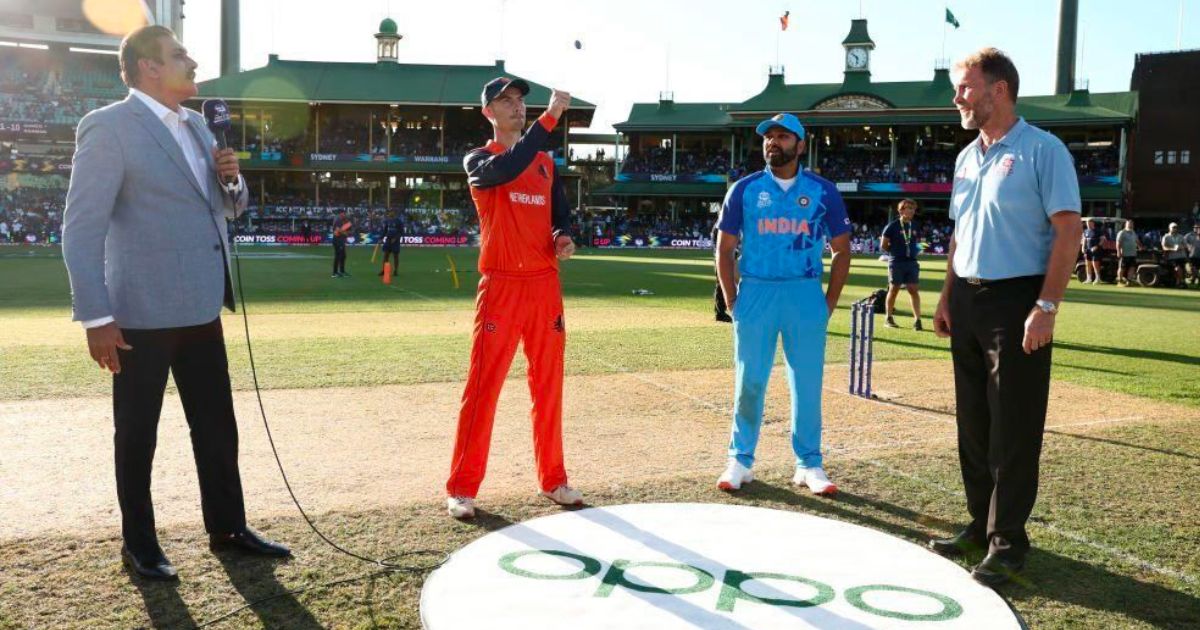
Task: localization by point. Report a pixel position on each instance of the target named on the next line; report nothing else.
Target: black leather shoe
(150, 568)
(248, 541)
(996, 570)
(961, 544)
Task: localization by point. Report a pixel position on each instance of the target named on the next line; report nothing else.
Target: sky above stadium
(701, 50)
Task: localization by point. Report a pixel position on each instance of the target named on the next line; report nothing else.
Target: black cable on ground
(386, 564)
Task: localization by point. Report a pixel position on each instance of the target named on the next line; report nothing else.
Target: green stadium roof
(901, 102)
(857, 100)
(381, 82)
(668, 115)
(780, 97)
(858, 34)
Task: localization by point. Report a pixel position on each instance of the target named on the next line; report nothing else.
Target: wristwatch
(1048, 307)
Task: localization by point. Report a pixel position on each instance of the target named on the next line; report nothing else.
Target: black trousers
(1001, 396)
(195, 356)
(394, 253)
(339, 256)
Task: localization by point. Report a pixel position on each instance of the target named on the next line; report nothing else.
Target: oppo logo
(732, 589)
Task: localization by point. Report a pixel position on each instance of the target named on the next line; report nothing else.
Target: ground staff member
(1092, 244)
(1192, 243)
(782, 217)
(1175, 250)
(1015, 206)
(523, 225)
(900, 242)
(144, 244)
(392, 230)
(341, 229)
(1128, 246)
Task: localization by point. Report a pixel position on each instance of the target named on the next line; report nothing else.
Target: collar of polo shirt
(1013, 133)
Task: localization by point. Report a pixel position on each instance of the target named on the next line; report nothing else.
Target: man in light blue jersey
(782, 217)
(1015, 206)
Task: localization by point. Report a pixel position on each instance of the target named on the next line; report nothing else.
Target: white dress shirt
(175, 122)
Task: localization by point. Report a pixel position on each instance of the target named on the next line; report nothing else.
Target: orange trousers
(511, 308)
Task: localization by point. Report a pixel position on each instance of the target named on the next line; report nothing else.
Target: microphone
(216, 114)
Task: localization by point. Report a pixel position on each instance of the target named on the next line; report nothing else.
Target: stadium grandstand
(56, 64)
(878, 141)
(370, 139)
(319, 138)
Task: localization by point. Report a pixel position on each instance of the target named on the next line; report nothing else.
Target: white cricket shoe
(734, 476)
(564, 495)
(460, 507)
(816, 480)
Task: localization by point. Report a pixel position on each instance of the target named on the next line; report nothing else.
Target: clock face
(856, 58)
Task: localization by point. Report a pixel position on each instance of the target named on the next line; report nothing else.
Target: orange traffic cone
(387, 273)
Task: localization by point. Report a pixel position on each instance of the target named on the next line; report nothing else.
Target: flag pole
(777, 35)
(1179, 29)
(945, 29)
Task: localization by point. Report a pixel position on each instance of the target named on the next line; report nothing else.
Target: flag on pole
(783, 20)
(950, 19)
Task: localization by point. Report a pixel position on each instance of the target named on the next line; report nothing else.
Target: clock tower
(858, 47)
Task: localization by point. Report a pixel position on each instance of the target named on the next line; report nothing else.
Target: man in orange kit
(523, 221)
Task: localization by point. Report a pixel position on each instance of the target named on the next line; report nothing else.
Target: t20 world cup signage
(657, 241)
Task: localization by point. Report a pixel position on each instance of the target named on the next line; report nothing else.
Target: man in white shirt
(1176, 252)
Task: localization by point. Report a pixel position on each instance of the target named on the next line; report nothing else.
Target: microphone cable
(385, 565)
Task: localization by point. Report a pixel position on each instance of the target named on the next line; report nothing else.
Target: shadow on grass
(164, 606)
(1089, 368)
(254, 579)
(1133, 353)
(1157, 301)
(488, 521)
(839, 508)
(1151, 449)
(1049, 575)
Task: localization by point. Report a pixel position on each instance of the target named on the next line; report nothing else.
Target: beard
(782, 157)
(978, 115)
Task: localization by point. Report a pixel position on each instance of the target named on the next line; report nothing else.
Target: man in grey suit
(144, 241)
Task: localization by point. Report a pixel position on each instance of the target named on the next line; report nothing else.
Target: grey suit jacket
(141, 241)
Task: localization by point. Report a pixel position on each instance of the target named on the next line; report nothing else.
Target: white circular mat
(688, 565)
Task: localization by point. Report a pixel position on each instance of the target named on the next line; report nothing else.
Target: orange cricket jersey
(515, 216)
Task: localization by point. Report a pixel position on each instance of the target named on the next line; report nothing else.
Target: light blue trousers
(766, 310)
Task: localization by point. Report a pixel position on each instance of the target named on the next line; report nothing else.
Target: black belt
(983, 282)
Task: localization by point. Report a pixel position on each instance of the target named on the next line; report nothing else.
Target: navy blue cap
(787, 122)
(498, 85)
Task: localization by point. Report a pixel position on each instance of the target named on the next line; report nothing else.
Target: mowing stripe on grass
(1122, 555)
(1076, 537)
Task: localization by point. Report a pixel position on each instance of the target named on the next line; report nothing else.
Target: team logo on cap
(777, 117)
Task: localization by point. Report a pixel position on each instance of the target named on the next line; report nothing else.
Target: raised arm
(487, 170)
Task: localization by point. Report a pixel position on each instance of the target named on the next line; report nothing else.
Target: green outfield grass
(1115, 531)
(1138, 341)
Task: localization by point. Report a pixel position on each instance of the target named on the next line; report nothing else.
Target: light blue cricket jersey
(783, 234)
(1002, 201)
